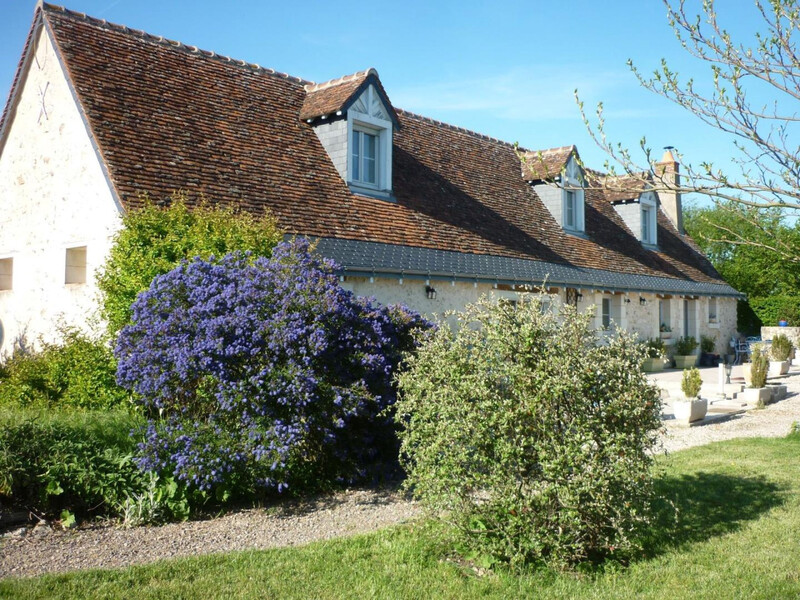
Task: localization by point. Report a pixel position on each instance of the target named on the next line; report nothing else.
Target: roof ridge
(464, 130)
(176, 44)
(555, 150)
(324, 85)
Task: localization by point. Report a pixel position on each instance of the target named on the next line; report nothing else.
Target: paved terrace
(728, 418)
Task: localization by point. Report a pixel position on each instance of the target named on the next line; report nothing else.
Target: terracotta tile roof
(622, 188)
(545, 165)
(170, 117)
(331, 96)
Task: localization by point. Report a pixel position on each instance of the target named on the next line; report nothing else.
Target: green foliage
(156, 239)
(684, 346)
(750, 268)
(79, 372)
(746, 320)
(759, 365)
(691, 382)
(79, 463)
(529, 436)
(781, 347)
(707, 344)
(656, 348)
(772, 309)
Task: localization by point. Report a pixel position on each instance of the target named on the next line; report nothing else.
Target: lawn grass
(738, 536)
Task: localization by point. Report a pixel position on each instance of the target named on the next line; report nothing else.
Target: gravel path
(28, 552)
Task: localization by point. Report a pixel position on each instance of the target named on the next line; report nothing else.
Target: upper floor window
(6, 273)
(365, 156)
(370, 130)
(573, 197)
(75, 268)
(648, 223)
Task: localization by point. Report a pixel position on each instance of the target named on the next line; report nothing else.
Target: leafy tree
(763, 132)
(750, 267)
(155, 239)
(261, 374)
(530, 437)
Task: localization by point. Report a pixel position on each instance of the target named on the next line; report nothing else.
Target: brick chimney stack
(668, 175)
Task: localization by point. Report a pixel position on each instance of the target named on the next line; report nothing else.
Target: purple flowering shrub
(260, 374)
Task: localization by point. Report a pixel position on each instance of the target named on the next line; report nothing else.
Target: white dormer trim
(368, 115)
(573, 198)
(648, 219)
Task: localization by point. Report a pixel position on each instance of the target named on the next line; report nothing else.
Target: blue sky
(504, 69)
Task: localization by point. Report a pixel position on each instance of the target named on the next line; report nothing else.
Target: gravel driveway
(28, 552)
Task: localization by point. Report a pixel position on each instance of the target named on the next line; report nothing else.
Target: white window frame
(76, 265)
(572, 194)
(6, 273)
(648, 219)
(713, 308)
(382, 129)
(359, 166)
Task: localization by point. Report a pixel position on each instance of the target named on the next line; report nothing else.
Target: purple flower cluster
(257, 373)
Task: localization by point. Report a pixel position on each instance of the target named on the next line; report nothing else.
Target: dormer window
(370, 156)
(365, 156)
(648, 214)
(573, 197)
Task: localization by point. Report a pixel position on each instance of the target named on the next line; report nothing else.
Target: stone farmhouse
(414, 210)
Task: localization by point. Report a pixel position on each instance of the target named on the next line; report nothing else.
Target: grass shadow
(698, 507)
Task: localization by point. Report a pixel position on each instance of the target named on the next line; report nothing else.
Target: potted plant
(755, 377)
(666, 331)
(683, 357)
(708, 358)
(691, 408)
(779, 353)
(656, 351)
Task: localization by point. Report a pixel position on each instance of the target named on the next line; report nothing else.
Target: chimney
(668, 176)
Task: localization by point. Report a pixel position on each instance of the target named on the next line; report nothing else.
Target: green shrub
(656, 348)
(707, 344)
(691, 382)
(772, 309)
(684, 346)
(155, 239)
(781, 347)
(80, 462)
(530, 437)
(759, 365)
(79, 372)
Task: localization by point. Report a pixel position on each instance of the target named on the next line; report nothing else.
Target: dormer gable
(355, 122)
(558, 179)
(637, 206)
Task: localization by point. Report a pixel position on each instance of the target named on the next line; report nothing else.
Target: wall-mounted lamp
(642, 301)
(430, 292)
(579, 297)
(627, 300)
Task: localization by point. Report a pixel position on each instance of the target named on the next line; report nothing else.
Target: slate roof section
(369, 258)
(169, 117)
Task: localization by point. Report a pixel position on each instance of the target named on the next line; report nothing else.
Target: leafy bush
(258, 374)
(79, 462)
(531, 437)
(656, 348)
(771, 309)
(691, 382)
(759, 365)
(781, 347)
(79, 372)
(154, 240)
(684, 346)
(707, 344)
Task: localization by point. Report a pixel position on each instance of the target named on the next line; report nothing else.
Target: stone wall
(54, 196)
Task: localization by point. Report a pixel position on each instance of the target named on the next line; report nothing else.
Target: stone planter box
(685, 362)
(778, 391)
(756, 396)
(653, 365)
(777, 368)
(688, 411)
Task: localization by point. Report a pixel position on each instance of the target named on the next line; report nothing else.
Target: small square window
(75, 271)
(712, 310)
(6, 273)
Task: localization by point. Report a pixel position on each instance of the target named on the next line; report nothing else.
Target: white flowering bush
(529, 436)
